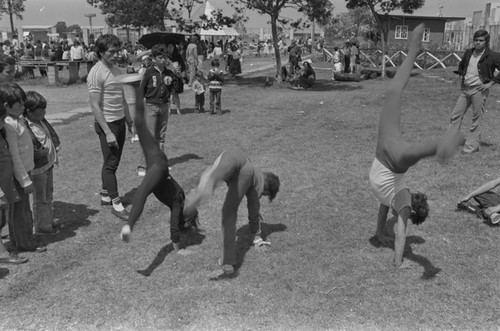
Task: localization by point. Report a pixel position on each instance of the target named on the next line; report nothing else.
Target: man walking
(476, 70)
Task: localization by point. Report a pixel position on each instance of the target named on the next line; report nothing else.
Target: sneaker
(106, 203)
(123, 215)
(125, 234)
(13, 259)
(227, 268)
(495, 218)
(134, 139)
(141, 172)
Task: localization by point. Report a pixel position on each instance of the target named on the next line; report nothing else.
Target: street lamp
(90, 15)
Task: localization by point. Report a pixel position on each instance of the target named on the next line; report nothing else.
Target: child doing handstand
(394, 156)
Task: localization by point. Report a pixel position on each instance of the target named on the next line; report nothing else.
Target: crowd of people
(29, 145)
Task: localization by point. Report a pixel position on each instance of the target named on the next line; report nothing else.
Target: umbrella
(151, 39)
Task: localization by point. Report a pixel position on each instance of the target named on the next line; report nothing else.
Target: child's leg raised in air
(156, 162)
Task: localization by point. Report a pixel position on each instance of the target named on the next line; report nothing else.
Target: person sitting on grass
(394, 156)
(306, 77)
(159, 182)
(488, 202)
(242, 178)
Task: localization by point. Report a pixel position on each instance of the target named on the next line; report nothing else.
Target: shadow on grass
(191, 238)
(430, 271)
(245, 239)
(183, 158)
(243, 244)
(70, 216)
(4, 272)
(319, 86)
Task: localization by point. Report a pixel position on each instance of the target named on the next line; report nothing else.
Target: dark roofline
(415, 17)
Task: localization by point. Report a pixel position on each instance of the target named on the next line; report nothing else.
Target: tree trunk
(274, 31)
(9, 4)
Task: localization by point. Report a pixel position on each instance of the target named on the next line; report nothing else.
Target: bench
(52, 68)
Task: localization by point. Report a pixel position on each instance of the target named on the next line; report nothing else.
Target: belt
(468, 88)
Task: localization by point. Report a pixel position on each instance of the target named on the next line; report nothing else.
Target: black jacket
(486, 66)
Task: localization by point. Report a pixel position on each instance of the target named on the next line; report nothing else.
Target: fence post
(52, 73)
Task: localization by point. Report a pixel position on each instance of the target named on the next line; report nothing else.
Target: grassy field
(324, 269)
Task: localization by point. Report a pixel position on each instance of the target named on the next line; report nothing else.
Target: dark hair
(104, 42)
(420, 208)
(5, 61)
(11, 93)
(271, 184)
(159, 49)
(215, 63)
(482, 33)
(34, 100)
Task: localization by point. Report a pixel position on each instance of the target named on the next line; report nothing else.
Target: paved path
(59, 118)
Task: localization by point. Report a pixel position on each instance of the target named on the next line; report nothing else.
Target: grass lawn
(324, 269)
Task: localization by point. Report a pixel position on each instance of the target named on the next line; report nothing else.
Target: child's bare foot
(417, 34)
(448, 146)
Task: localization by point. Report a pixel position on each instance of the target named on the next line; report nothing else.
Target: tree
(12, 8)
(351, 24)
(153, 13)
(384, 7)
(319, 11)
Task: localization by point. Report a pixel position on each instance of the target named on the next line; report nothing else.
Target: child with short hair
(215, 77)
(21, 236)
(199, 92)
(8, 190)
(46, 145)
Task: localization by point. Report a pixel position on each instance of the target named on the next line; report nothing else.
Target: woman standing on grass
(394, 156)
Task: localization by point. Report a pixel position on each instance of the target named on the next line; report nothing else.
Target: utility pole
(90, 15)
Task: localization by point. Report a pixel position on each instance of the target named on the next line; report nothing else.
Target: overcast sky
(48, 12)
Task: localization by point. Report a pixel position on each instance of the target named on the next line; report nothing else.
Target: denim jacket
(486, 66)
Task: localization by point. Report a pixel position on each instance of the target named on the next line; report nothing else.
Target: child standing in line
(21, 150)
(46, 145)
(215, 77)
(199, 92)
(8, 190)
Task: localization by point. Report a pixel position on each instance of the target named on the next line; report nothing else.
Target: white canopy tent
(222, 32)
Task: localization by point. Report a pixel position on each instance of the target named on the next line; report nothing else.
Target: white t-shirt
(102, 79)
(472, 74)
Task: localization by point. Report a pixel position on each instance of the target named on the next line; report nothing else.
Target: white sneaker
(141, 172)
(495, 218)
(134, 139)
(126, 232)
(227, 268)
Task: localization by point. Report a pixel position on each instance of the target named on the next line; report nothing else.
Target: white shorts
(386, 184)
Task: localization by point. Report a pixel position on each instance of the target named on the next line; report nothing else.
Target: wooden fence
(426, 60)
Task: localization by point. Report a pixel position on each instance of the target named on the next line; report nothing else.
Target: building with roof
(400, 27)
(38, 32)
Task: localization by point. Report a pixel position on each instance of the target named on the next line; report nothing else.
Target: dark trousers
(215, 103)
(20, 222)
(157, 180)
(347, 63)
(111, 155)
(199, 101)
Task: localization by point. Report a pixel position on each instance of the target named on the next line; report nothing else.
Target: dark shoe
(106, 203)
(123, 215)
(13, 259)
(52, 232)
